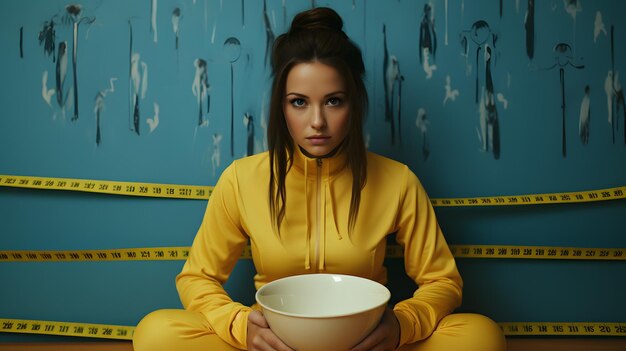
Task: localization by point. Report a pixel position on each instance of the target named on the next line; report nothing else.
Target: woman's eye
(334, 101)
(297, 102)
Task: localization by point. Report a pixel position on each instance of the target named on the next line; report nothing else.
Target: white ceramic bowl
(322, 312)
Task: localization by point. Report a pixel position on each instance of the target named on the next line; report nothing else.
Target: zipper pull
(319, 162)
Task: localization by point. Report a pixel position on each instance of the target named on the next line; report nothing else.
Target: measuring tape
(393, 251)
(204, 192)
(138, 254)
(104, 331)
(109, 187)
(564, 329)
(536, 199)
(538, 252)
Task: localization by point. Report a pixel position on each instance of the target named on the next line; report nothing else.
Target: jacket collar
(330, 165)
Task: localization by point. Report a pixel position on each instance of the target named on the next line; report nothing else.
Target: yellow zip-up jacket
(314, 238)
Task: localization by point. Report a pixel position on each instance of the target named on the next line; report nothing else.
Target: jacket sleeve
(215, 250)
(428, 261)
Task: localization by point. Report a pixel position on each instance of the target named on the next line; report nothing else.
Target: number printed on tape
(109, 187)
(538, 252)
(67, 328)
(568, 329)
(139, 254)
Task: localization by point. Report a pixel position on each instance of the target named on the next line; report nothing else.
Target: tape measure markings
(393, 251)
(565, 329)
(103, 331)
(196, 192)
(109, 187)
(537, 252)
(138, 254)
(126, 332)
(536, 199)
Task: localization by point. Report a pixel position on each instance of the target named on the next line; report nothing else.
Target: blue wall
(38, 137)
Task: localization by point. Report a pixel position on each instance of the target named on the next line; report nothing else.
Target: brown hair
(316, 35)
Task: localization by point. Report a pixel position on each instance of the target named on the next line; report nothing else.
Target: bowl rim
(290, 314)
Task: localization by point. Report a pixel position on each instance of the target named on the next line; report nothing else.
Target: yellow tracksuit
(314, 238)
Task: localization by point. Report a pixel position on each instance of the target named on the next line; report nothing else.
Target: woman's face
(316, 108)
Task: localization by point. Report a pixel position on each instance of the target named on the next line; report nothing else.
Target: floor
(514, 344)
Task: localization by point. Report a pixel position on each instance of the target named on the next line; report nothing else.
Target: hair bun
(319, 18)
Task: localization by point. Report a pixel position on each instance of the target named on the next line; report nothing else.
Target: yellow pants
(189, 331)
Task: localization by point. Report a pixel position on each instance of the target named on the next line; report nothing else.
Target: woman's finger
(257, 318)
(384, 337)
(261, 337)
(275, 342)
(375, 338)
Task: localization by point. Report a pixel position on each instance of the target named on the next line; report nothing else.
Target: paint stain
(614, 93)
(446, 20)
(564, 58)
(598, 27)
(451, 94)
(610, 93)
(572, 7)
(584, 117)
(176, 26)
(46, 93)
(139, 87)
(428, 41)
(153, 20)
(216, 155)
(529, 27)
(153, 122)
(47, 37)
(22, 42)
(485, 95)
(392, 82)
(421, 122)
(616, 103)
(200, 89)
(248, 122)
(74, 17)
(232, 51)
(61, 73)
(482, 36)
(490, 124)
(99, 108)
(269, 33)
(503, 100)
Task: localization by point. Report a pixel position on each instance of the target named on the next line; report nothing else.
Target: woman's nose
(318, 119)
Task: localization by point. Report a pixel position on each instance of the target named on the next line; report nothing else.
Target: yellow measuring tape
(564, 329)
(109, 187)
(393, 251)
(204, 192)
(104, 331)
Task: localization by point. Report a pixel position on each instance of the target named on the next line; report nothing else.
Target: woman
(317, 201)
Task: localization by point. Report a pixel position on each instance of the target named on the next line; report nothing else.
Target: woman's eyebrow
(338, 92)
(334, 93)
(296, 94)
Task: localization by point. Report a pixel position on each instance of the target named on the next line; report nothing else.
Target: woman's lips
(318, 139)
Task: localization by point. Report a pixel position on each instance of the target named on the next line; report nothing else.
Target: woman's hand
(386, 336)
(261, 337)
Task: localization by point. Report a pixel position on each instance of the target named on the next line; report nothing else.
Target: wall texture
(478, 97)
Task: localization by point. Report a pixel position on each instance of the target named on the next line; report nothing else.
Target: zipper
(318, 213)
